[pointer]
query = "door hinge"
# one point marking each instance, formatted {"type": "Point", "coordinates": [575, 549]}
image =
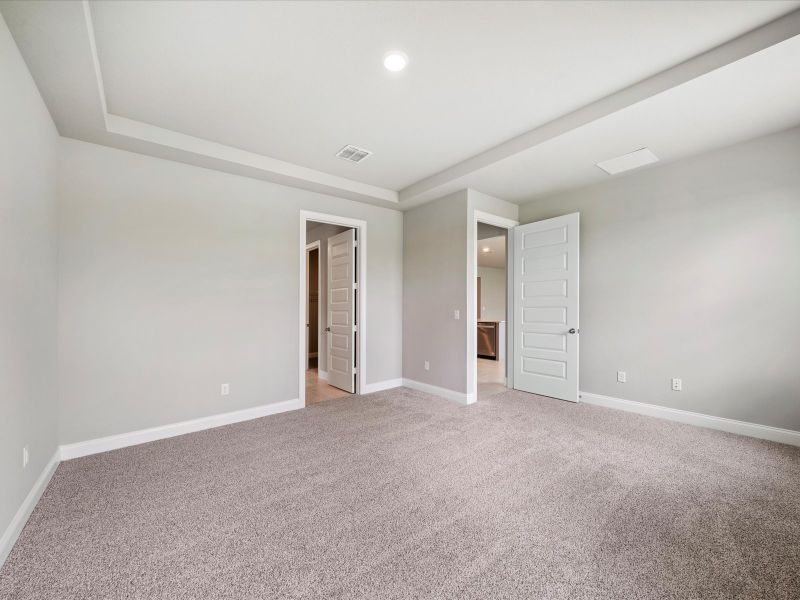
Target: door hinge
{"type": "Point", "coordinates": [355, 370]}
{"type": "Point", "coordinates": [355, 286]}
{"type": "Point", "coordinates": [355, 244]}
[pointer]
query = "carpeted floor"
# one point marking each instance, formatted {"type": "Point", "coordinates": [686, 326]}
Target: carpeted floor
{"type": "Point", "coordinates": [403, 495]}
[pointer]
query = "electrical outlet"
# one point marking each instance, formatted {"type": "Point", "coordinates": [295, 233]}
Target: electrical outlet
{"type": "Point", "coordinates": [622, 377]}
{"type": "Point", "coordinates": [427, 365]}
{"type": "Point", "coordinates": [456, 314]}
{"type": "Point", "coordinates": [226, 389]}
{"type": "Point", "coordinates": [25, 456]}
{"type": "Point", "coordinates": [677, 385]}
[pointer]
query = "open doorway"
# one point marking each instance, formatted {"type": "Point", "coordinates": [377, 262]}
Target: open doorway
{"type": "Point", "coordinates": [321, 314]}
{"type": "Point", "coordinates": [491, 302]}
{"type": "Point", "coordinates": [313, 306]}
{"type": "Point", "coordinates": [333, 303]}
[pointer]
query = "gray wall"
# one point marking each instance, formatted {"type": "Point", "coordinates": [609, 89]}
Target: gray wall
{"type": "Point", "coordinates": [176, 279]}
{"type": "Point", "coordinates": [493, 293]}
{"type": "Point", "coordinates": [434, 285]}
{"type": "Point", "coordinates": [439, 277]}
{"type": "Point", "coordinates": [320, 233]}
{"type": "Point", "coordinates": [28, 281]}
{"type": "Point", "coordinates": [692, 270]}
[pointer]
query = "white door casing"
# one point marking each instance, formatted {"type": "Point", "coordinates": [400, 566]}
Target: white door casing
{"type": "Point", "coordinates": [341, 332]}
{"type": "Point", "coordinates": [546, 327]}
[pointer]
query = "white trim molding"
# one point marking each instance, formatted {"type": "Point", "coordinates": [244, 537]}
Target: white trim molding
{"type": "Point", "coordinates": [764, 432]}
{"type": "Point", "coordinates": [448, 394]}
{"type": "Point", "coordinates": [142, 436]}
{"type": "Point", "coordinates": [379, 386]}
{"type": "Point", "coordinates": [323, 375]}
{"type": "Point", "coordinates": [492, 219]}
{"type": "Point", "coordinates": [11, 534]}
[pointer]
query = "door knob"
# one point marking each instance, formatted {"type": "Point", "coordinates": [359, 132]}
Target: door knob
{"type": "Point", "coordinates": [327, 329]}
{"type": "Point", "coordinates": [573, 330]}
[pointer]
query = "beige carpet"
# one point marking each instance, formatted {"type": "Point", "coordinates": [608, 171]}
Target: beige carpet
{"type": "Point", "coordinates": [403, 495]}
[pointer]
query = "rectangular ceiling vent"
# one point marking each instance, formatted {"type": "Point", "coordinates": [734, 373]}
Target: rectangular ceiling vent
{"type": "Point", "coordinates": [353, 153]}
{"type": "Point", "coordinates": [627, 162]}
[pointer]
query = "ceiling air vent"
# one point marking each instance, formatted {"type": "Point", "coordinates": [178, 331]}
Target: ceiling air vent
{"type": "Point", "coordinates": [353, 154]}
{"type": "Point", "coordinates": [626, 162]}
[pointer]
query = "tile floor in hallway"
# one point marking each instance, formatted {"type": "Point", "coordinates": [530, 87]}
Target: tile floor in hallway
{"type": "Point", "coordinates": [317, 390]}
{"type": "Point", "coordinates": [491, 377]}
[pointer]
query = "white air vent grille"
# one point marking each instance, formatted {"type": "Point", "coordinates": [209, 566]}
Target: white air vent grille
{"type": "Point", "coordinates": [626, 162]}
{"type": "Point", "coordinates": [353, 153]}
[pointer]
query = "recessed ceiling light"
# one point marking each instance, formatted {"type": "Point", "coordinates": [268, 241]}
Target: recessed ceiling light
{"type": "Point", "coordinates": [626, 162]}
{"type": "Point", "coordinates": [486, 249]}
{"type": "Point", "coordinates": [395, 61]}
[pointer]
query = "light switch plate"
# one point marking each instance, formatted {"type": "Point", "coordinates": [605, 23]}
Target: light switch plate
{"type": "Point", "coordinates": [456, 314]}
{"type": "Point", "coordinates": [225, 389]}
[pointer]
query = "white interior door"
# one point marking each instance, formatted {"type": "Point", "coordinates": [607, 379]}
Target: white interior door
{"type": "Point", "coordinates": [546, 264]}
{"type": "Point", "coordinates": [341, 310]}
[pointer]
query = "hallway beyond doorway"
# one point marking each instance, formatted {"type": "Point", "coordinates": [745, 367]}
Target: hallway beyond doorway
{"type": "Point", "coordinates": [491, 377]}
{"type": "Point", "coordinates": [317, 390]}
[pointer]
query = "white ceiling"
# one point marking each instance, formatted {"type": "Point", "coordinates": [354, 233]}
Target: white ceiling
{"type": "Point", "coordinates": [487, 231]}
{"type": "Point", "coordinates": [757, 95]}
{"type": "Point", "coordinates": [496, 257]}
{"type": "Point", "coordinates": [274, 89]}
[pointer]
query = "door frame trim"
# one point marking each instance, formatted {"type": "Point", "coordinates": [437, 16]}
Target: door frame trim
{"type": "Point", "coordinates": [479, 216]}
{"type": "Point", "coordinates": [309, 248]}
{"type": "Point", "coordinates": [361, 335]}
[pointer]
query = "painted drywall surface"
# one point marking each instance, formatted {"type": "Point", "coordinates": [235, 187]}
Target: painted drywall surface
{"type": "Point", "coordinates": [493, 293]}
{"type": "Point", "coordinates": [438, 278]}
{"type": "Point", "coordinates": [28, 280]}
{"type": "Point", "coordinates": [320, 234]}
{"type": "Point", "coordinates": [490, 204]}
{"type": "Point", "coordinates": [692, 270]}
{"type": "Point", "coordinates": [176, 279]}
{"type": "Point", "coordinates": [434, 285]}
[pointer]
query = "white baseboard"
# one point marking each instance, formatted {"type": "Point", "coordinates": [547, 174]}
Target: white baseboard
{"type": "Point", "coordinates": [70, 451]}
{"type": "Point", "coordinates": [21, 517]}
{"type": "Point", "coordinates": [383, 385]}
{"type": "Point", "coordinates": [460, 397]}
{"type": "Point", "coordinates": [322, 375]}
{"type": "Point", "coordinates": [764, 432]}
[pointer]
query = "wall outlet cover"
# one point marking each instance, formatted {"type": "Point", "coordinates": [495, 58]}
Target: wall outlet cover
{"type": "Point", "coordinates": [677, 385]}
{"type": "Point", "coordinates": [225, 389]}
{"type": "Point", "coordinates": [427, 366]}
{"type": "Point", "coordinates": [622, 377]}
